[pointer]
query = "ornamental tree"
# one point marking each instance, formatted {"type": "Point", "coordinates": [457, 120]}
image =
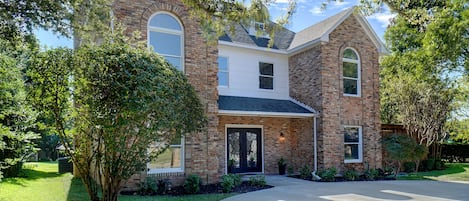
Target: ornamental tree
{"type": "Point", "coordinates": [124, 99]}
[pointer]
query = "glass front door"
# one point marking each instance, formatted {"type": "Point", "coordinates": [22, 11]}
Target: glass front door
{"type": "Point", "coordinates": [244, 150]}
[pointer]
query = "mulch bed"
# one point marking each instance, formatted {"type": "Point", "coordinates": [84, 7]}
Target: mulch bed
{"type": "Point", "coordinates": [342, 179]}
{"type": "Point", "coordinates": [208, 189]}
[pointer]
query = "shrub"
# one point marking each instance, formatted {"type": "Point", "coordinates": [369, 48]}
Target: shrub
{"type": "Point", "coordinates": [429, 164]}
{"type": "Point", "coordinates": [258, 180]}
{"type": "Point", "coordinates": [328, 174]}
{"type": "Point", "coordinates": [305, 172]}
{"type": "Point", "coordinates": [164, 185]}
{"type": "Point", "coordinates": [290, 170]}
{"type": "Point", "coordinates": [148, 187]}
{"type": "Point", "coordinates": [192, 184]}
{"type": "Point", "coordinates": [371, 174]}
{"type": "Point", "coordinates": [410, 166]}
{"type": "Point", "coordinates": [229, 182]}
{"type": "Point", "coordinates": [350, 175]}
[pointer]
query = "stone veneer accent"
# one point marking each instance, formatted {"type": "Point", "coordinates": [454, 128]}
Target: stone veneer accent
{"type": "Point", "coordinates": [296, 148]}
{"type": "Point", "coordinates": [201, 70]}
{"type": "Point", "coordinates": [316, 80]}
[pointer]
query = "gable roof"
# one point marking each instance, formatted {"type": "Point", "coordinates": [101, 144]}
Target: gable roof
{"type": "Point", "coordinates": [247, 106]}
{"type": "Point", "coordinates": [291, 42]}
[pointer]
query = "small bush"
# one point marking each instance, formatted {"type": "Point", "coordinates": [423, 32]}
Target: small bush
{"type": "Point", "coordinates": [164, 185]}
{"type": "Point", "coordinates": [290, 170]}
{"type": "Point", "coordinates": [148, 187]}
{"type": "Point", "coordinates": [305, 172]}
{"type": "Point", "coordinates": [350, 175]}
{"type": "Point", "coordinates": [192, 184]}
{"type": "Point", "coordinates": [328, 174]}
{"type": "Point", "coordinates": [371, 174]}
{"type": "Point", "coordinates": [258, 180]}
{"type": "Point", "coordinates": [229, 182]}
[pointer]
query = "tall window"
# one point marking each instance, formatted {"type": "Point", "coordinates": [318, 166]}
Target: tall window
{"type": "Point", "coordinates": [353, 144]}
{"type": "Point", "coordinates": [223, 72]}
{"type": "Point", "coordinates": [351, 72]}
{"type": "Point", "coordinates": [165, 35]}
{"type": "Point", "coordinates": [266, 76]}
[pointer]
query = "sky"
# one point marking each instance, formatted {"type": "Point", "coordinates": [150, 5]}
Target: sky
{"type": "Point", "coordinates": [308, 12]}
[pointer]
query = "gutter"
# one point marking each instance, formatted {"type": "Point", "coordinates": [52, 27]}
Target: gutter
{"type": "Point", "coordinates": [313, 174]}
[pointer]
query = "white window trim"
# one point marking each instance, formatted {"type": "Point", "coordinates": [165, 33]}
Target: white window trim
{"type": "Point", "coordinates": [358, 79]}
{"type": "Point", "coordinates": [272, 76]}
{"type": "Point", "coordinates": [171, 170]}
{"type": "Point", "coordinates": [243, 126]}
{"type": "Point", "coordinates": [360, 145]}
{"type": "Point", "coordinates": [227, 71]}
{"type": "Point", "coordinates": [168, 31]}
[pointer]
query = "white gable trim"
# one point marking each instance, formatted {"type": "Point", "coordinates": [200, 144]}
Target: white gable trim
{"type": "Point", "coordinates": [252, 47]}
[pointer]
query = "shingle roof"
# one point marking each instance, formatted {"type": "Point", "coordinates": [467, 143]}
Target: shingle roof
{"type": "Point", "coordinates": [240, 34]}
{"type": "Point", "coordinates": [235, 103]}
{"type": "Point", "coordinates": [318, 30]}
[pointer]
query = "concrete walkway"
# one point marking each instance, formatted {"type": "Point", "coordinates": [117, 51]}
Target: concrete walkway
{"type": "Point", "coordinates": [289, 189]}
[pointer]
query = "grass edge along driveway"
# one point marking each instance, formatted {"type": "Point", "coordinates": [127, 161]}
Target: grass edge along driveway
{"type": "Point", "coordinates": [41, 182]}
{"type": "Point", "coordinates": [455, 172]}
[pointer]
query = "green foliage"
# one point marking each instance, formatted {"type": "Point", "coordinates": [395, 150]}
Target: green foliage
{"type": "Point", "coordinates": [116, 88]}
{"type": "Point", "coordinates": [148, 186]}
{"type": "Point", "coordinates": [305, 172]}
{"type": "Point", "coordinates": [328, 174]}
{"type": "Point", "coordinates": [192, 184]}
{"type": "Point", "coordinates": [410, 166]}
{"type": "Point", "coordinates": [455, 152]}
{"type": "Point", "coordinates": [401, 148]}
{"type": "Point", "coordinates": [351, 175]}
{"type": "Point", "coordinates": [281, 162]}
{"type": "Point", "coordinates": [258, 180]}
{"type": "Point", "coordinates": [290, 170]}
{"type": "Point", "coordinates": [371, 174]}
{"type": "Point", "coordinates": [230, 181]}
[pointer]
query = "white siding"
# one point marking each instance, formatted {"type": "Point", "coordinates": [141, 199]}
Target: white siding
{"type": "Point", "coordinates": [243, 65]}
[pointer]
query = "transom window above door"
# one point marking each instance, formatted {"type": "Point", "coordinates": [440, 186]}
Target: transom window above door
{"type": "Point", "coordinates": [165, 35]}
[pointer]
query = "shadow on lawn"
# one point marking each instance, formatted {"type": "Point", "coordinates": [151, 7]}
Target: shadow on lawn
{"type": "Point", "coordinates": [77, 191]}
{"type": "Point", "coordinates": [29, 175]}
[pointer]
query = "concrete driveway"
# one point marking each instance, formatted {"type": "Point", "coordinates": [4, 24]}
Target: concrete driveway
{"type": "Point", "coordinates": [289, 189]}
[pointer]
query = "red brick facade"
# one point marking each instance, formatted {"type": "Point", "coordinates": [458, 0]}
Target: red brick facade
{"type": "Point", "coordinates": [314, 79]}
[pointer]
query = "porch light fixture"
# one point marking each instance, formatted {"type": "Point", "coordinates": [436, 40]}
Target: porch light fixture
{"type": "Point", "coordinates": [282, 136]}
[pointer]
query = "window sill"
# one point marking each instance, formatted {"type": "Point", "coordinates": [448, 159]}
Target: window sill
{"type": "Point", "coordinates": [165, 170]}
{"type": "Point", "coordinates": [353, 161]}
{"type": "Point", "coordinates": [353, 95]}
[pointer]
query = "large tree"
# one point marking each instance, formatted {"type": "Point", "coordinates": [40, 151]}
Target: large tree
{"type": "Point", "coordinates": [125, 98]}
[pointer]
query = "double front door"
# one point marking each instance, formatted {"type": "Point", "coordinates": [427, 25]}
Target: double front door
{"type": "Point", "coordinates": [244, 150]}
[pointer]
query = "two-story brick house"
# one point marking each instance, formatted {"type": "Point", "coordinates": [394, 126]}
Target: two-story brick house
{"type": "Point", "coordinates": [311, 99]}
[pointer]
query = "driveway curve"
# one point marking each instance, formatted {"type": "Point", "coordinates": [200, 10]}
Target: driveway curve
{"type": "Point", "coordinates": [290, 189]}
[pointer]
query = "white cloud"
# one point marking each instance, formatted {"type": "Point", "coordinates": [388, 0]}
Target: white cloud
{"type": "Point", "coordinates": [383, 18]}
{"type": "Point", "coordinates": [317, 11]}
{"type": "Point", "coordinates": [340, 4]}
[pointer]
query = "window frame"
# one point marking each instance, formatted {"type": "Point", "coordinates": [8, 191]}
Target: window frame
{"type": "Point", "coordinates": [358, 79]}
{"type": "Point", "coordinates": [227, 71]}
{"type": "Point", "coordinates": [170, 170]}
{"type": "Point", "coordinates": [360, 144]}
{"type": "Point", "coordinates": [168, 31]}
{"type": "Point", "coordinates": [261, 75]}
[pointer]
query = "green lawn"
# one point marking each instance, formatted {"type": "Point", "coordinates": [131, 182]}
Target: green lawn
{"type": "Point", "coordinates": [453, 172]}
{"type": "Point", "coordinates": [43, 183]}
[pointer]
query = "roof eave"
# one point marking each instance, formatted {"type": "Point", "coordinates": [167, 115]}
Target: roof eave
{"type": "Point", "coordinates": [265, 114]}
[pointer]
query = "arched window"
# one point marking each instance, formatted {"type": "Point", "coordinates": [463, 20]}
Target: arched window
{"type": "Point", "coordinates": [351, 72]}
{"type": "Point", "coordinates": [165, 35]}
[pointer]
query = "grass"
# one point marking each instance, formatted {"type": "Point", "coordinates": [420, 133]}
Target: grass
{"type": "Point", "coordinates": [41, 182]}
{"type": "Point", "coordinates": [453, 172]}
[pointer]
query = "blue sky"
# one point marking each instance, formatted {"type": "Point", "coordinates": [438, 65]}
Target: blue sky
{"type": "Point", "coordinates": [308, 12]}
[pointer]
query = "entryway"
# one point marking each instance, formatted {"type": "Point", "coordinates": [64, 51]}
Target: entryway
{"type": "Point", "coordinates": [244, 150]}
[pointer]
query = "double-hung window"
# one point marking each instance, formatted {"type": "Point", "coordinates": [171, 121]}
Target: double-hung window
{"type": "Point", "coordinates": [351, 72]}
{"type": "Point", "coordinates": [165, 35]}
{"type": "Point", "coordinates": [266, 76]}
{"type": "Point", "coordinates": [223, 72]}
{"type": "Point", "coordinates": [353, 144]}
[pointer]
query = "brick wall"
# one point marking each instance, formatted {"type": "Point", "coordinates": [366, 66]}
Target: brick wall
{"type": "Point", "coordinates": [296, 147]}
{"type": "Point", "coordinates": [200, 69]}
{"type": "Point", "coordinates": [316, 80]}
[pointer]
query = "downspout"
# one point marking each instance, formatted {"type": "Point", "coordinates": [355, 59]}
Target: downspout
{"type": "Point", "coordinates": [313, 174]}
